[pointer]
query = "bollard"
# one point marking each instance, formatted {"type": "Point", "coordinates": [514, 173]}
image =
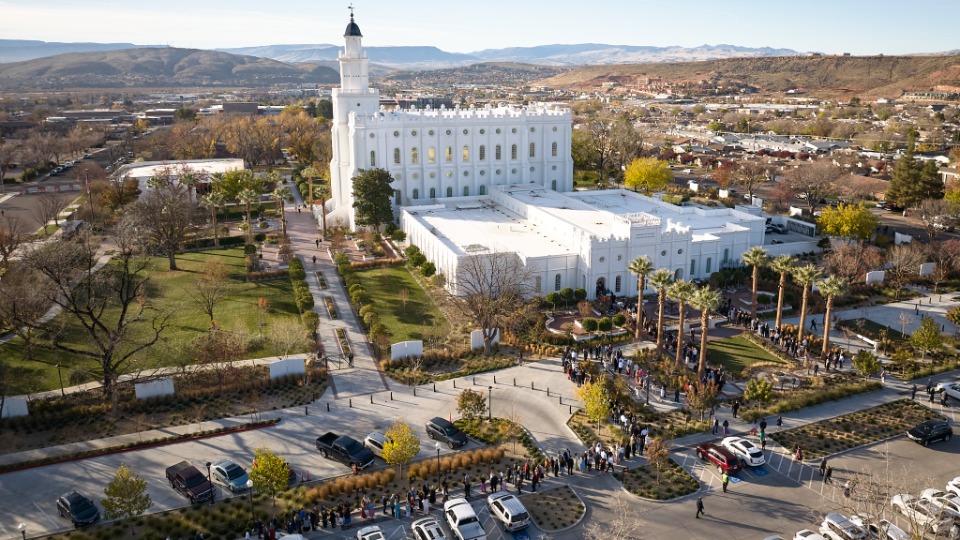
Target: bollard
{"type": "Point", "coordinates": [414, 391]}
{"type": "Point", "coordinates": [328, 406]}
{"type": "Point", "coordinates": [351, 402]}
{"type": "Point", "coordinates": [306, 410]}
{"type": "Point", "coordinates": [474, 381]}
{"type": "Point", "coordinates": [434, 387]}
{"type": "Point", "coordinates": [454, 383]}
{"type": "Point", "coordinates": [391, 396]}
{"type": "Point", "coordinates": [531, 386]}
{"type": "Point", "coordinates": [514, 381]}
{"type": "Point", "coordinates": [561, 400]}
{"type": "Point", "coordinates": [571, 408]}
{"type": "Point", "coordinates": [548, 391]}
{"type": "Point", "coordinates": [494, 379]}
{"type": "Point", "coordinates": [371, 399]}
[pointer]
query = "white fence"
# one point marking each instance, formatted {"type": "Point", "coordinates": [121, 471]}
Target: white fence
{"type": "Point", "coordinates": [15, 406]}
{"type": "Point", "coordinates": [476, 339]}
{"type": "Point", "coordinates": [152, 389]}
{"type": "Point", "coordinates": [405, 349]}
{"type": "Point", "coordinates": [290, 366]}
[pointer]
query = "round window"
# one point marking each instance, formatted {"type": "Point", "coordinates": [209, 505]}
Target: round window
{"type": "Point", "coordinates": [532, 130]}
{"type": "Point", "coordinates": [466, 173]}
{"type": "Point", "coordinates": [449, 132]}
{"type": "Point", "coordinates": [413, 133]}
{"type": "Point", "coordinates": [663, 253]}
{"type": "Point", "coordinates": [483, 173]}
{"type": "Point", "coordinates": [554, 167]}
{"type": "Point", "coordinates": [602, 259]}
{"type": "Point", "coordinates": [416, 175]}
{"type": "Point", "coordinates": [498, 131]}
{"type": "Point", "coordinates": [396, 133]}
{"type": "Point", "coordinates": [679, 252]}
{"type": "Point", "coordinates": [372, 135]}
{"type": "Point", "coordinates": [465, 132]}
{"type": "Point", "coordinates": [513, 171]}
{"type": "Point", "coordinates": [514, 130]}
{"type": "Point", "coordinates": [449, 174]}
{"type": "Point", "coordinates": [554, 128]}
{"type": "Point", "coordinates": [482, 131]}
{"type": "Point", "coordinates": [532, 169]}
{"type": "Point", "coordinates": [430, 132]}
{"type": "Point", "coordinates": [498, 172]}
{"type": "Point", "coordinates": [619, 257]}
{"type": "Point", "coordinates": [433, 175]}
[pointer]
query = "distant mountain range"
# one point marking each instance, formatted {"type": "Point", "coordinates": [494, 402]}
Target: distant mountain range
{"type": "Point", "coordinates": [429, 57]}
{"type": "Point", "coordinates": [155, 67]}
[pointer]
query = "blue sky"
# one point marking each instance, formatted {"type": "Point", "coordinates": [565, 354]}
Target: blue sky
{"type": "Point", "coordinates": [855, 26]}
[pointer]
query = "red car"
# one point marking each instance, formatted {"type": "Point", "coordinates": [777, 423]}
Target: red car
{"type": "Point", "coordinates": [719, 456]}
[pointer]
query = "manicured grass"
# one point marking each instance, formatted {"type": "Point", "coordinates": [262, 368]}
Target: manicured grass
{"type": "Point", "coordinates": [403, 321]}
{"type": "Point", "coordinates": [166, 290]}
{"type": "Point", "coordinates": [736, 353]}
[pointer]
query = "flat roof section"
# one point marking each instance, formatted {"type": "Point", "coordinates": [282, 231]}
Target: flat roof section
{"type": "Point", "coordinates": [472, 227]}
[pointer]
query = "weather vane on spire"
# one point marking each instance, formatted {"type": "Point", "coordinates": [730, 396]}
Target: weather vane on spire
{"type": "Point", "coordinates": [350, 7]}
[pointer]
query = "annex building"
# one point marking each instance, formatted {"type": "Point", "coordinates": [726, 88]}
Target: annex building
{"type": "Point", "coordinates": [474, 181]}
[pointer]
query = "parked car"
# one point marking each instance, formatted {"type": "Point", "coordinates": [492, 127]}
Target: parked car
{"type": "Point", "coordinates": [444, 431]}
{"type": "Point", "coordinates": [78, 508]}
{"type": "Point", "coordinates": [427, 529]}
{"type": "Point", "coordinates": [508, 510]}
{"type": "Point", "coordinates": [780, 228]}
{"type": "Point", "coordinates": [953, 486]}
{"type": "Point", "coordinates": [372, 532]}
{"type": "Point", "coordinates": [948, 503]}
{"type": "Point", "coordinates": [745, 450]}
{"type": "Point", "coordinates": [344, 449]}
{"type": "Point", "coordinates": [951, 388]}
{"type": "Point", "coordinates": [931, 431]}
{"type": "Point", "coordinates": [375, 442]}
{"type": "Point", "coordinates": [883, 205]}
{"type": "Point", "coordinates": [836, 526]}
{"type": "Point", "coordinates": [880, 529]}
{"type": "Point", "coordinates": [921, 512]}
{"type": "Point", "coordinates": [190, 482]}
{"type": "Point", "coordinates": [807, 534]}
{"type": "Point", "coordinates": [463, 521]}
{"type": "Point", "coordinates": [231, 475]}
{"type": "Point", "coordinates": [723, 459]}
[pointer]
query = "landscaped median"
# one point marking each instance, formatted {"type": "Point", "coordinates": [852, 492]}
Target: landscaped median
{"type": "Point", "coordinates": [554, 509]}
{"type": "Point", "coordinates": [136, 445]}
{"type": "Point", "coordinates": [855, 429]}
{"type": "Point", "coordinates": [645, 481]}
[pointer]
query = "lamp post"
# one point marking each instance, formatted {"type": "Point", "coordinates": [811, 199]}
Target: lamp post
{"type": "Point", "coordinates": [22, 527]}
{"type": "Point", "coordinates": [437, 444]}
{"type": "Point", "coordinates": [250, 496]}
{"type": "Point", "coordinates": [60, 375]}
{"type": "Point", "coordinates": [647, 385]}
{"type": "Point", "coordinates": [489, 404]}
{"type": "Point", "coordinates": [210, 479]}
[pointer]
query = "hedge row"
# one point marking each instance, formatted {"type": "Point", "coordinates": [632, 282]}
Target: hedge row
{"type": "Point", "coordinates": [301, 290]}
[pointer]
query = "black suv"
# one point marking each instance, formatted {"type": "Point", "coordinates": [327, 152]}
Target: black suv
{"type": "Point", "coordinates": [930, 431]}
{"type": "Point", "coordinates": [78, 508]}
{"type": "Point", "coordinates": [444, 431]}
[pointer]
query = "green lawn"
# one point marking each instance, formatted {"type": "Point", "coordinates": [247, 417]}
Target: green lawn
{"type": "Point", "coordinates": [418, 318]}
{"type": "Point", "coordinates": [736, 353]}
{"type": "Point", "coordinates": [871, 329]}
{"type": "Point", "coordinates": [168, 291]}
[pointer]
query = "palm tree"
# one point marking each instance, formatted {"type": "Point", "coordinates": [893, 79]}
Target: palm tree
{"type": "Point", "coordinates": [281, 195]}
{"type": "Point", "coordinates": [681, 291]}
{"type": "Point", "coordinates": [660, 280]}
{"type": "Point", "coordinates": [706, 299]}
{"type": "Point", "coordinates": [830, 288]}
{"type": "Point", "coordinates": [311, 173]}
{"type": "Point", "coordinates": [247, 197]}
{"type": "Point", "coordinates": [782, 265]}
{"type": "Point", "coordinates": [805, 276]}
{"type": "Point", "coordinates": [214, 202]}
{"type": "Point", "coordinates": [641, 266]}
{"type": "Point", "coordinates": [755, 257]}
{"type": "Point", "coordinates": [190, 179]}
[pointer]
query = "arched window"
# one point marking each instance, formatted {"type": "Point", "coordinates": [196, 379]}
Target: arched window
{"type": "Point", "coordinates": [433, 193]}
{"type": "Point", "coordinates": [483, 190]}
{"type": "Point", "coordinates": [414, 155]}
{"type": "Point", "coordinates": [538, 285]}
{"type": "Point", "coordinates": [396, 156]}
{"type": "Point", "coordinates": [373, 158]}
{"type": "Point", "coordinates": [466, 191]}
{"type": "Point", "coordinates": [513, 151]}
{"type": "Point", "coordinates": [497, 152]}
{"type": "Point", "coordinates": [553, 185]}
{"type": "Point", "coordinates": [616, 284]}
{"type": "Point", "coordinates": [553, 149]}
{"type": "Point", "coordinates": [726, 256]}
{"type": "Point", "coordinates": [533, 150]}
{"type": "Point", "coordinates": [693, 267]}
{"type": "Point", "coordinates": [466, 153]}
{"type": "Point", "coordinates": [449, 155]}
{"type": "Point", "coordinates": [432, 155]}
{"type": "Point", "coordinates": [449, 192]}
{"type": "Point", "coordinates": [556, 282]}
{"type": "Point", "coordinates": [483, 152]}
{"type": "Point", "coordinates": [709, 264]}
{"type": "Point", "coordinates": [416, 194]}
{"type": "Point", "coordinates": [396, 197]}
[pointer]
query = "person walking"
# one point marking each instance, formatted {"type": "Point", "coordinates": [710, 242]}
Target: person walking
{"type": "Point", "coordinates": [798, 454]}
{"type": "Point", "coordinates": [700, 509]}
{"type": "Point", "coordinates": [763, 441]}
{"type": "Point", "coordinates": [725, 479]}
{"type": "Point", "coordinates": [779, 422]}
{"type": "Point", "coordinates": [813, 325]}
{"type": "Point", "coordinates": [827, 476]}
{"type": "Point", "coordinates": [716, 425]}
{"type": "Point", "coordinates": [913, 392]}
{"type": "Point", "coordinates": [823, 466]}
{"type": "Point", "coordinates": [726, 427]}
{"type": "Point", "coordinates": [736, 407]}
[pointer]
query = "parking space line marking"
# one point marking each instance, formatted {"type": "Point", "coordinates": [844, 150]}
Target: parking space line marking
{"type": "Point", "coordinates": [402, 529]}
{"type": "Point", "coordinates": [54, 523]}
{"type": "Point", "coordinates": [780, 463]}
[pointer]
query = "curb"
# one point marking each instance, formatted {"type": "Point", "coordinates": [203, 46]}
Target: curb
{"type": "Point", "coordinates": [66, 458]}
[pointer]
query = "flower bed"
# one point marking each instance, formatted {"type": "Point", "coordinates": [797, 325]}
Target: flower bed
{"type": "Point", "coordinates": [331, 307]}
{"type": "Point", "coordinates": [322, 281]}
{"type": "Point", "coordinates": [795, 400]}
{"type": "Point", "coordinates": [344, 342]}
{"type": "Point", "coordinates": [674, 481]}
{"type": "Point", "coordinates": [855, 429]}
{"type": "Point", "coordinates": [554, 509]}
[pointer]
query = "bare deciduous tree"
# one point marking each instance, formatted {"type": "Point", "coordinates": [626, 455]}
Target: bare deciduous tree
{"type": "Point", "coordinates": [813, 181]}
{"type": "Point", "coordinates": [903, 263]}
{"type": "Point", "coordinates": [210, 287]}
{"type": "Point", "coordinates": [12, 236]}
{"type": "Point", "coordinates": [164, 216]}
{"type": "Point", "coordinates": [49, 206]}
{"type": "Point", "coordinates": [623, 523]}
{"type": "Point", "coordinates": [937, 215]}
{"type": "Point", "coordinates": [217, 349]}
{"type": "Point", "coordinates": [750, 175]}
{"type": "Point", "coordinates": [288, 335]}
{"type": "Point", "coordinates": [851, 259]}
{"type": "Point", "coordinates": [489, 288]}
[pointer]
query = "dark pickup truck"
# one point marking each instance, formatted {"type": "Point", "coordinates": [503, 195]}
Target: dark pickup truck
{"type": "Point", "coordinates": [190, 482]}
{"type": "Point", "coordinates": [345, 450]}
